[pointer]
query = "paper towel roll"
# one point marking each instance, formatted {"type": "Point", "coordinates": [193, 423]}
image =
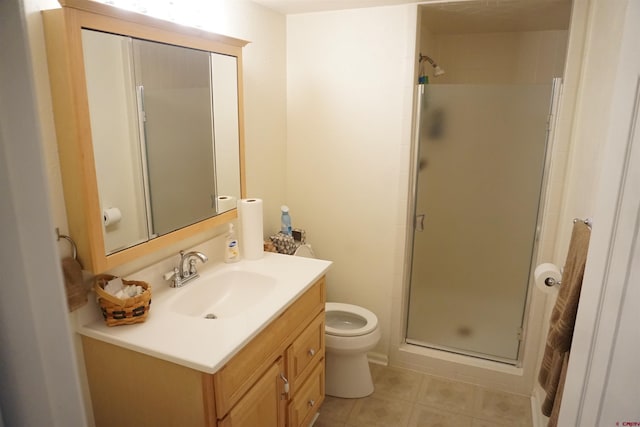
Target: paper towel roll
{"type": "Point", "coordinates": [226, 203]}
{"type": "Point", "coordinates": [250, 217]}
{"type": "Point", "coordinates": [546, 276]}
{"type": "Point", "coordinates": [111, 216]}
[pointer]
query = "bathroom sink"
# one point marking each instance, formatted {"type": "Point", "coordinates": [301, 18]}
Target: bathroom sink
{"type": "Point", "coordinates": [223, 295]}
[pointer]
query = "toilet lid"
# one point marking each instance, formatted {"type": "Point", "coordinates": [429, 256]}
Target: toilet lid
{"type": "Point", "coordinates": [348, 320]}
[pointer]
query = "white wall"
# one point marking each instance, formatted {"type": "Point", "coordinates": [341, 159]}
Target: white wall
{"type": "Point", "coordinates": [349, 104]}
{"type": "Point", "coordinates": [587, 131]}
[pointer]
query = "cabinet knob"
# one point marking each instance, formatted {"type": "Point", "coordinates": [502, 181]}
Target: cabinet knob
{"type": "Point", "coordinates": [312, 352]}
{"type": "Point", "coordinates": [311, 403]}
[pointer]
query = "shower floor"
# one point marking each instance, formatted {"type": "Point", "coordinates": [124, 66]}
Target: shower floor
{"type": "Point", "coordinates": [477, 324]}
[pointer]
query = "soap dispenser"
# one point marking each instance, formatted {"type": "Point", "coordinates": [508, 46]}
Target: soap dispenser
{"type": "Point", "coordinates": [231, 249]}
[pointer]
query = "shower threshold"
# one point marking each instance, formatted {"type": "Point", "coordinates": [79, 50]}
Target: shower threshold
{"type": "Point", "coordinates": [467, 353]}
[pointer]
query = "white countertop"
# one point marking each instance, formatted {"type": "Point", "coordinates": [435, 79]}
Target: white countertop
{"type": "Point", "coordinates": [207, 344]}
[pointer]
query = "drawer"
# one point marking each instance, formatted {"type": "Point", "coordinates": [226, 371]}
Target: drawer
{"type": "Point", "coordinates": [305, 352]}
{"type": "Point", "coordinates": [234, 379]}
{"type": "Point", "coordinates": [308, 399]}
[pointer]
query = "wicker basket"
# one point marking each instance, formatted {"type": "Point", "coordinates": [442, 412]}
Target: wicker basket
{"type": "Point", "coordinates": [122, 312]}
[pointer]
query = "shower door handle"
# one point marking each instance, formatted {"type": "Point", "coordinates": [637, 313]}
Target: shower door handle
{"type": "Point", "coordinates": [419, 226]}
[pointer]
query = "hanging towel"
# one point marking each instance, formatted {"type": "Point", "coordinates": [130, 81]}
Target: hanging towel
{"type": "Point", "coordinates": [73, 283]}
{"type": "Point", "coordinates": [563, 318]}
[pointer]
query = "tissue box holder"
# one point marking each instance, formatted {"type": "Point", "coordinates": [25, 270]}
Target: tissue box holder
{"type": "Point", "coordinates": [284, 243]}
{"type": "Point", "coordinates": [118, 311]}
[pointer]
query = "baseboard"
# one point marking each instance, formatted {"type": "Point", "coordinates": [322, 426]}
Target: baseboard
{"type": "Point", "coordinates": [378, 358]}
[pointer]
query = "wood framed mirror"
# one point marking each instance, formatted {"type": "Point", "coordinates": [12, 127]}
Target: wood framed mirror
{"type": "Point", "coordinates": [149, 124]}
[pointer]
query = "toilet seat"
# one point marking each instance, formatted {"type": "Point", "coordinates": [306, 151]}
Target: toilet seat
{"type": "Point", "coordinates": [348, 320]}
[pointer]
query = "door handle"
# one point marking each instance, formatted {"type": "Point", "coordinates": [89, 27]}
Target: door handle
{"type": "Point", "coordinates": [285, 393]}
{"type": "Point", "coordinates": [419, 225]}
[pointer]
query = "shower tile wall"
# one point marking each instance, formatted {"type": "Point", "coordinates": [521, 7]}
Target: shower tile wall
{"type": "Point", "coordinates": [506, 57]}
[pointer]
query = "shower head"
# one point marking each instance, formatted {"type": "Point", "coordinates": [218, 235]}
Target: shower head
{"type": "Point", "coordinates": [437, 71]}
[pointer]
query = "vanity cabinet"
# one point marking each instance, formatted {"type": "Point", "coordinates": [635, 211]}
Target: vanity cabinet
{"type": "Point", "coordinates": [275, 380]}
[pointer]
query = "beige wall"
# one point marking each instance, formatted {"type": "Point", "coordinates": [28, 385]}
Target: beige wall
{"type": "Point", "coordinates": [349, 132]}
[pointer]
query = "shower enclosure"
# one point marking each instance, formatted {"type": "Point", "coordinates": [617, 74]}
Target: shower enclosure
{"type": "Point", "coordinates": [480, 165]}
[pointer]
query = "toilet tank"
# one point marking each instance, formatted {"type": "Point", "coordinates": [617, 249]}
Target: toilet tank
{"type": "Point", "coordinates": [305, 251]}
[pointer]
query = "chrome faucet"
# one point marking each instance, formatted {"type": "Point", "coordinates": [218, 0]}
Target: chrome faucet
{"type": "Point", "coordinates": [181, 275]}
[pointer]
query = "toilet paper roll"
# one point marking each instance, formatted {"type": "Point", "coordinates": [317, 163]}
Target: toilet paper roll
{"type": "Point", "coordinates": [547, 276]}
{"type": "Point", "coordinates": [226, 203]}
{"type": "Point", "coordinates": [252, 235]}
{"type": "Point", "coordinates": [111, 216]}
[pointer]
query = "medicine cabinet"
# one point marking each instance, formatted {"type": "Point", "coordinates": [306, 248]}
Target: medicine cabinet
{"type": "Point", "coordinates": [149, 124]}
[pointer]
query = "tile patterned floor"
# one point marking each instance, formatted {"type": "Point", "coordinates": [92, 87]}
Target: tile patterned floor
{"type": "Point", "coordinates": [404, 398]}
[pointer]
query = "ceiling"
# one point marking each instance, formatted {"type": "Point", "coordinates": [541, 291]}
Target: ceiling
{"type": "Point", "coordinates": [289, 7]}
{"type": "Point", "coordinates": [468, 16]}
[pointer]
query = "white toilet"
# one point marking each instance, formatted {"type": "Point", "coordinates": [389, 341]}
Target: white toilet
{"type": "Point", "coordinates": [350, 332]}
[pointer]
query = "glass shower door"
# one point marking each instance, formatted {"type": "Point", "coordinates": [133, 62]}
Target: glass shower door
{"type": "Point", "coordinates": [480, 170]}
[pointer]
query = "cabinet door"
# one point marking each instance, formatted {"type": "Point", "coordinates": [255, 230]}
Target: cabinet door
{"type": "Point", "coordinates": [264, 404]}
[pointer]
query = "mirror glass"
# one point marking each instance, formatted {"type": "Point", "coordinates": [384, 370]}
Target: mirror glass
{"type": "Point", "coordinates": [164, 125]}
{"type": "Point", "coordinates": [174, 88]}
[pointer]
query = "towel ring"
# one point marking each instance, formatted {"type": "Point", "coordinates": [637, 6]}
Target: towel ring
{"type": "Point", "coordinates": [74, 249]}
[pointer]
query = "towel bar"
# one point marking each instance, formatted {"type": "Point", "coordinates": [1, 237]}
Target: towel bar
{"type": "Point", "coordinates": [550, 281]}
